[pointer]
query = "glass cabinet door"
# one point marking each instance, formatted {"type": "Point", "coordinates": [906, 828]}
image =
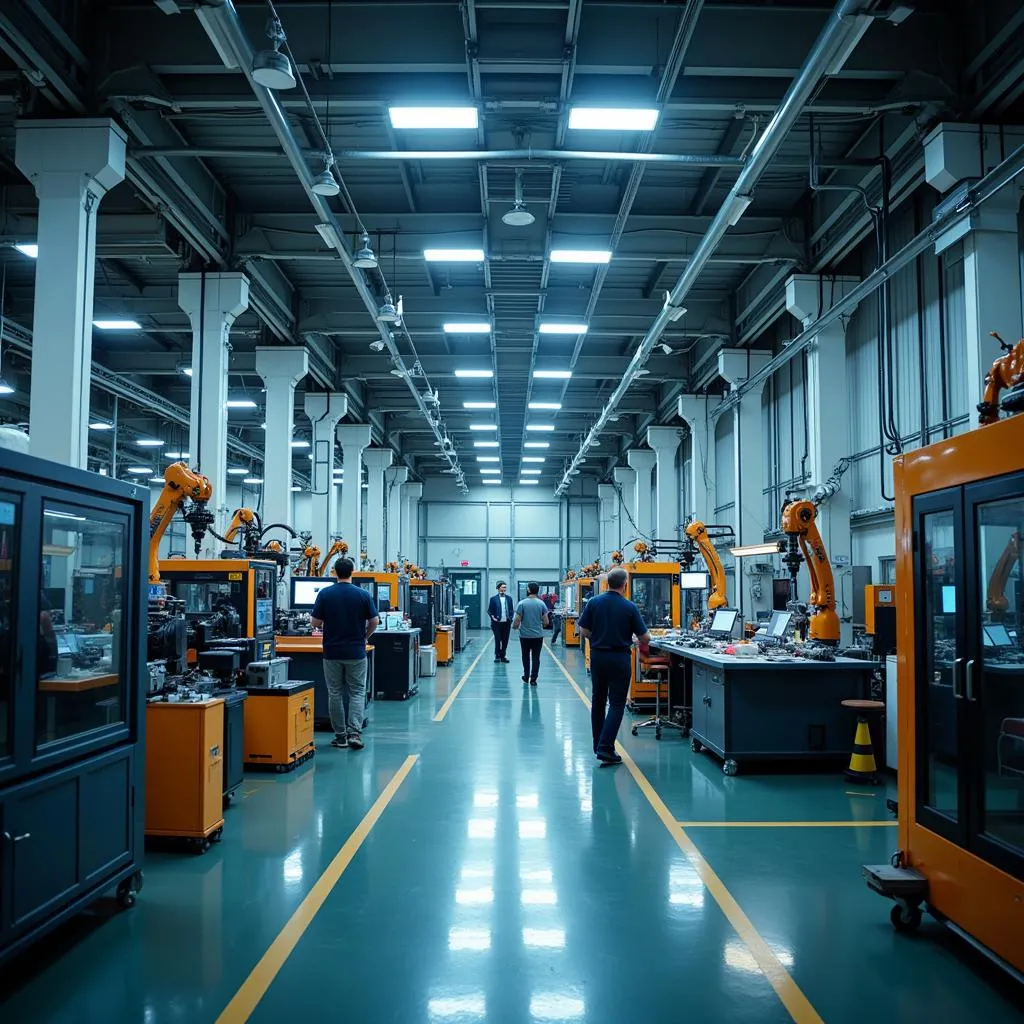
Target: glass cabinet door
{"type": "Point", "coordinates": [10, 523]}
{"type": "Point", "coordinates": [939, 603]}
{"type": "Point", "coordinates": [653, 597]}
{"type": "Point", "coordinates": [994, 672]}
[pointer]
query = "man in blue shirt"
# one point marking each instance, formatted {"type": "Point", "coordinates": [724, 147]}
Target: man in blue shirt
{"type": "Point", "coordinates": [610, 621]}
{"type": "Point", "coordinates": [348, 617]}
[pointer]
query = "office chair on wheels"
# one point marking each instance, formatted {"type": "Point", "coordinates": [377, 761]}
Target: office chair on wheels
{"type": "Point", "coordinates": [654, 669]}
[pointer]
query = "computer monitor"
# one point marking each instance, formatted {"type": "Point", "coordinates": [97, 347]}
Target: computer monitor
{"type": "Point", "coordinates": [778, 624]}
{"type": "Point", "coordinates": [723, 622]}
{"type": "Point", "coordinates": [384, 597]}
{"type": "Point", "coordinates": [305, 590]}
{"type": "Point", "coordinates": [996, 635]}
{"type": "Point", "coordinates": [693, 581]}
{"type": "Point", "coordinates": [780, 594]}
{"type": "Point", "coordinates": [949, 600]}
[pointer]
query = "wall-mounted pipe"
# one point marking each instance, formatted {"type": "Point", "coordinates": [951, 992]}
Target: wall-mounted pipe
{"type": "Point", "coordinates": [837, 40]}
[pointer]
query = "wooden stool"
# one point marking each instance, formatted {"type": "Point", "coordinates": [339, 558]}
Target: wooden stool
{"type": "Point", "coordinates": [862, 766]}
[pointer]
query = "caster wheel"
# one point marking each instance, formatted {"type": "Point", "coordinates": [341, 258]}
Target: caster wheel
{"type": "Point", "coordinates": [633, 730]}
{"type": "Point", "coordinates": [216, 837]}
{"type": "Point", "coordinates": [226, 802]}
{"type": "Point", "coordinates": [279, 768]}
{"type": "Point", "coordinates": [905, 920]}
{"type": "Point", "coordinates": [730, 767]}
{"type": "Point", "coordinates": [125, 899]}
{"type": "Point", "coordinates": [695, 745]}
{"type": "Point", "coordinates": [657, 734]}
{"type": "Point", "coordinates": [128, 891]}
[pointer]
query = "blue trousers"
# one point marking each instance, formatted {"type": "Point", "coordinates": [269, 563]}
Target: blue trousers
{"type": "Point", "coordinates": [609, 679]}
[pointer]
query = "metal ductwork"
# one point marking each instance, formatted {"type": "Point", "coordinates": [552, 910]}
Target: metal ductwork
{"type": "Point", "coordinates": [846, 25]}
{"type": "Point", "coordinates": [220, 20]}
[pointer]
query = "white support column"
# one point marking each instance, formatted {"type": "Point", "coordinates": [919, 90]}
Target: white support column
{"type": "Point", "coordinates": [609, 525]}
{"type": "Point", "coordinates": [700, 482]}
{"type": "Point", "coordinates": [376, 460]}
{"type": "Point", "coordinates": [411, 494]}
{"type": "Point", "coordinates": [281, 369]}
{"type": "Point", "coordinates": [72, 164]}
{"type": "Point", "coordinates": [212, 302]}
{"type": "Point", "coordinates": [353, 437]}
{"type": "Point", "coordinates": [642, 463]}
{"type": "Point", "coordinates": [625, 480]}
{"type": "Point", "coordinates": [665, 442]}
{"type": "Point", "coordinates": [324, 411]}
{"type": "Point", "coordinates": [393, 480]}
{"type": "Point", "coordinates": [828, 411]}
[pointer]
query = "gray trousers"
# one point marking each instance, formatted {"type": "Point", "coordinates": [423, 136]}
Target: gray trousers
{"type": "Point", "coordinates": [346, 688]}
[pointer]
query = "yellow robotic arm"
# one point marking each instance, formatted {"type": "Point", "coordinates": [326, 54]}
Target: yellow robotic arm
{"type": "Point", "coordinates": [697, 532]}
{"type": "Point", "coordinates": [1006, 372]}
{"type": "Point", "coordinates": [309, 562]}
{"type": "Point", "coordinates": [995, 598]}
{"type": "Point", "coordinates": [798, 523]}
{"type": "Point", "coordinates": [339, 549]}
{"type": "Point", "coordinates": [180, 485]}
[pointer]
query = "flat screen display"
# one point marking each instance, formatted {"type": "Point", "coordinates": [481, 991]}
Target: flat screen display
{"type": "Point", "coordinates": [778, 624]}
{"type": "Point", "coordinates": [384, 597]}
{"type": "Point", "coordinates": [693, 580]}
{"type": "Point", "coordinates": [949, 600]}
{"type": "Point", "coordinates": [996, 635]}
{"type": "Point", "coordinates": [304, 591]}
{"type": "Point", "coordinates": [724, 620]}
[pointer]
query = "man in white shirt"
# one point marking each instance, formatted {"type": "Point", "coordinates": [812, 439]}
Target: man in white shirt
{"type": "Point", "coordinates": [500, 611]}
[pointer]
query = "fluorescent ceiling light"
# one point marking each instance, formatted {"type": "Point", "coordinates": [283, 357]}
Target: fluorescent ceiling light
{"type": "Point", "coordinates": [453, 255]}
{"type": "Point", "coordinates": [529, 483]}
{"type": "Point", "coordinates": [478, 374]}
{"type": "Point", "coordinates": [478, 405]}
{"type": "Point", "coordinates": [29, 249]}
{"type": "Point", "coordinates": [537, 444]}
{"type": "Point", "coordinates": [488, 470]}
{"type": "Point", "coordinates": [490, 481]}
{"type": "Point", "coordinates": [100, 425]}
{"type": "Point", "coordinates": [471, 328]}
{"type": "Point", "coordinates": [234, 471]}
{"type": "Point", "coordinates": [488, 458]}
{"type": "Point", "coordinates": [482, 426]}
{"type": "Point", "coordinates": [300, 444]}
{"type": "Point", "coordinates": [545, 405]}
{"type": "Point", "coordinates": [253, 480]}
{"type": "Point", "coordinates": [530, 472]}
{"type": "Point", "coordinates": [187, 370]}
{"type": "Point", "coordinates": [150, 442]}
{"type": "Point", "coordinates": [613, 119]}
{"type": "Point", "coordinates": [139, 470]}
{"type": "Point", "coordinates": [485, 444]}
{"type": "Point", "coordinates": [117, 325]}
{"type": "Point", "coordinates": [580, 256]}
{"type": "Point", "coordinates": [533, 458]}
{"type": "Point", "coordinates": [773, 548]}
{"type": "Point", "coordinates": [240, 403]}
{"type": "Point", "coordinates": [555, 328]}
{"type": "Point", "coordinates": [156, 479]}
{"type": "Point", "coordinates": [176, 455]}
{"type": "Point", "coordinates": [295, 489]}
{"type": "Point", "coordinates": [552, 374]}
{"type": "Point", "coordinates": [540, 426]}
{"type": "Point", "coordinates": [433, 117]}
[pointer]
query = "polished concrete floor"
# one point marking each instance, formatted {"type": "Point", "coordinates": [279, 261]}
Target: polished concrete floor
{"type": "Point", "coordinates": [503, 877]}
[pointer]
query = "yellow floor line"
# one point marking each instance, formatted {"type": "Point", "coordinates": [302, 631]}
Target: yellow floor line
{"type": "Point", "coordinates": [247, 998]}
{"type": "Point", "coordinates": [798, 1005]}
{"type": "Point", "coordinates": [788, 824]}
{"type": "Point", "coordinates": [439, 717]}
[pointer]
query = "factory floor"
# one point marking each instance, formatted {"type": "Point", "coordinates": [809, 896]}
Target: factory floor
{"type": "Point", "coordinates": [474, 864]}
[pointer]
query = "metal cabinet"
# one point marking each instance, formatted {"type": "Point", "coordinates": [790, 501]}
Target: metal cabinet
{"type": "Point", "coordinates": [709, 696]}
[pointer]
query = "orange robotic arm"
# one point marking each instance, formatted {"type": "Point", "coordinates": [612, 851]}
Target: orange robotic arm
{"type": "Point", "coordinates": [180, 485]}
{"type": "Point", "coordinates": [309, 562]}
{"type": "Point", "coordinates": [339, 548]}
{"type": "Point", "coordinates": [1007, 372]}
{"type": "Point", "coordinates": [995, 598]}
{"type": "Point", "coordinates": [697, 532]}
{"type": "Point", "coordinates": [798, 520]}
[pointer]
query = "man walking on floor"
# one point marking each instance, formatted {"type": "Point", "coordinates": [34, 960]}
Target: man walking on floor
{"type": "Point", "coordinates": [500, 611]}
{"type": "Point", "coordinates": [610, 621]}
{"type": "Point", "coordinates": [531, 620]}
{"type": "Point", "coordinates": [348, 617]}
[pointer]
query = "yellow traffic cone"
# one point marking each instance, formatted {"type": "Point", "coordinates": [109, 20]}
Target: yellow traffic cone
{"type": "Point", "coordinates": [862, 761]}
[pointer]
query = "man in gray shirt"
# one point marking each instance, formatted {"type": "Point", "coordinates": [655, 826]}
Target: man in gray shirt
{"type": "Point", "coordinates": [531, 620]}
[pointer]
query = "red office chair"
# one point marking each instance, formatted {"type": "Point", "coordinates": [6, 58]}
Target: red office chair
{"type": "Point", "coordinates": [654, 669]}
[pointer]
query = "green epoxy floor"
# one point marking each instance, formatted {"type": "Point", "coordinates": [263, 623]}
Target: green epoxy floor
{"type": "Point", "coordinates": [511, 880]}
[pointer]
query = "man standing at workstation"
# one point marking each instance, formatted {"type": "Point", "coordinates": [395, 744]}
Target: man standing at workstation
{"type": "Point", "coordinates": [531, 620]}
{"type": "Point", "coordinates": [610, 621]}
{"type": "Point", "coordinates": [500, 611]}
{"type": "Point", "coordinates": [348, 617]}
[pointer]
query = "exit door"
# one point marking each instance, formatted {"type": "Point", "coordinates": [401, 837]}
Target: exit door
{"type": "Point", "coordinates": [469, 595]}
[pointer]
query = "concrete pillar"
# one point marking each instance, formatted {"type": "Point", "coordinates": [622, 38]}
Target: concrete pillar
{"type": "Point", "coordinates": [281, 369]}
{"type": "Point", "coordinates": [324, 411]}
{"type": "Point", "coordinates": [735, 366]}
{"type": "Point", "coordinates": [665, 442]}
{"type": "Point", "coordinates": [212, 302]}
{"type": "Point", "coordinates": [72, 164]}
{"type": "Point", "coordinates": [699, 486]}
{"type": "Point", "coordinates": [609, 524]}
{"type": "Point", "coordinates": [625, 481]}
{"type": "Point", "coordinates": [828, 410]}
{"type": "Point", "coordinates": [393, 480]}
{"type": "Point", "coordinates": [642, 463]}
{"type": "Point", "coordinates": [376, 460]}
{"type": "Point", "coordinates": [353, 437]}
{"type": "Point", "coordinates": [411, 494]}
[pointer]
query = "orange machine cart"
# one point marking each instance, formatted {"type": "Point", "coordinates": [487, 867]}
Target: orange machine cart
{"type": "Point", "coordinates": [279, 725]}
{"type": "Point", "coordinates": [961, 687]}
{"type": "Point", "coordinates": [444, 641]}
{"type": "Point", "coordinates": [184, 771]}
{"type": "Point", "coordinates": [574, 593]}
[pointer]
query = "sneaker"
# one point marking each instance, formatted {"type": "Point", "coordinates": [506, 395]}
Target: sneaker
{"type": "Point", "coordinates": [505, 660]}
{"type": "Point", "coordinates": [533, 682]}
{"type": "Point", "coordinates": [356, 743]}
{"type": "Point", "coordinates": [340, 741]}
{"type": "Point", "coordinates": [525, 680]}
{"type": "Point", "coordinates": [608, 757]}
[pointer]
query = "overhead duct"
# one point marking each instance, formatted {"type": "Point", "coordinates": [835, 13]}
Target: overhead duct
{"type": "Point", "coordinates": [845, 26]}
{"type": "Point", "coordinates": [220, 20]}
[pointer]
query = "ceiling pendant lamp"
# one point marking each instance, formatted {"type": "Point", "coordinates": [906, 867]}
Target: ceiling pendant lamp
{"type": "Point", "coordinates": [325, 184]}
{"type": "Point", "coordinates": [271, 68]}
{"type": "Point", "coordinates": [365, 258]}
{"type": "Point", "coordinates": [518, 216]}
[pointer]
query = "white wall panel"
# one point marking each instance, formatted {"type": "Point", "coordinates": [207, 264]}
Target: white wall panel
{"type": "Point", "coordinates": [499, 519]}
{"type": "Point", "coordinates": [542, 520]}
{"type": "Point", "coordinates": [451, 519]}
{"type": "Point", "coordinates": [542, 554]}
{"type": "Point", "coordinates": [724, 484]}
{"type": "Point", "coordinates": [499, 553]}
{"type": "Point", "coordinates": [451, 552]}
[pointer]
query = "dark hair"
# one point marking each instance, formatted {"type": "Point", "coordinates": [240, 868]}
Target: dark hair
{"type": "Point", "coordinates": [533, 588]}
{"type": "Point", "coordinates": [343, 568]}
{"type": "Point", "coordinates": [617, 579]}
{"type": "Point", "coordinates": [500, 584]}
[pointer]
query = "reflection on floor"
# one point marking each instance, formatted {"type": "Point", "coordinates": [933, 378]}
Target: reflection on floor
{"type": "Point", "coordinates": [510, 879]}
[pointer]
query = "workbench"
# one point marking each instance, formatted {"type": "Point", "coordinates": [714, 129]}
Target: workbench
{"type": "Point", "coordinates": [759, 708]}
{"type": "Point", "coordinates": [307, 662]}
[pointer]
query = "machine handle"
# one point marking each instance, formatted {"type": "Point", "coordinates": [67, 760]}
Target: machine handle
{"type": "Point", "coordinates": [970, 680]}
{"type": "Point", "coordinates": [24, 835]}
{"type": "Point", "coordinates": [958, 693]}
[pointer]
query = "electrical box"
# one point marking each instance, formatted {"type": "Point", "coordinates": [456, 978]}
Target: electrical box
{"type": "Point", "coordinates": [879, 596]}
